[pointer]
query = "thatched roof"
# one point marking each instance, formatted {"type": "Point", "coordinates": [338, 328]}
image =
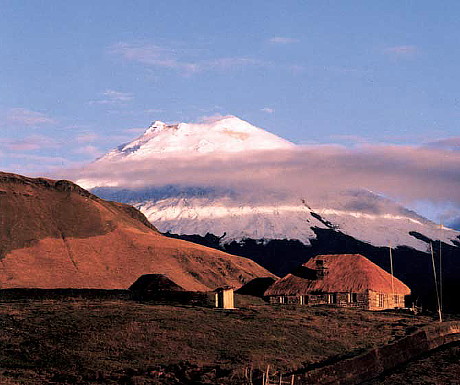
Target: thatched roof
{"type": "Point", "coordinates": [343, 273]}
{"type": "Point", "coordinates": [155, 283]}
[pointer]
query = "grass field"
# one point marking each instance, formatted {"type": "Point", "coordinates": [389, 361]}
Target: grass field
{"type": "Point", "coordinates": [79, 341]}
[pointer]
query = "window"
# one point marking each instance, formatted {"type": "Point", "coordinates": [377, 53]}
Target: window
{"type": "Point", "coordinates": [332, 298]}
{"type": "Point", "coordinates": [352, 297]}
{"type": "Point", "coordinates": [396, 299]}
{"type": "Point", "coordinates": [303, 300]}
{"type": "Point", "coordinates": [381, 298]}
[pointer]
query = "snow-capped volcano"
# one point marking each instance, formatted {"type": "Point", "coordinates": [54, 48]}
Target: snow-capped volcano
{"type": "Point", "coordinates": [230, 185]}
{"type": "Point", "coordinates": [262, 215]}
{"type": "Point", "coordinates": [228, 134]}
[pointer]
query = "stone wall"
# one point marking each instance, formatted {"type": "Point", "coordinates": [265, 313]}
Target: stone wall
{"type": "Point", "coordinates": [369, 300]}
{"type": "Point", "coordinates": [387, 301]}
{"type": "Point", "coordinates": [376, 361]}
{"type": "Point", "coordinates": [360, 300]}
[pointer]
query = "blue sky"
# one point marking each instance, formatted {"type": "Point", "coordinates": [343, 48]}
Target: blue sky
{"type": "Point", "coordinates": [78, 78]}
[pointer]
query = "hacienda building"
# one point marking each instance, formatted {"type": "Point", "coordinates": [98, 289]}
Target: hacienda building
{"type": "Point", "coordinates": [348, 280]}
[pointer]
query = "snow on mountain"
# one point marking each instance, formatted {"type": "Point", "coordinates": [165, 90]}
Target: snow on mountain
{"type": "Point", "coordinates": [360, 214]}
{"type": "Point", "coordinates": [226, 218]}
{"type": "Point", "coordinates": [232, 220]}
{"type": "Point", "coordinates": [229, 134]}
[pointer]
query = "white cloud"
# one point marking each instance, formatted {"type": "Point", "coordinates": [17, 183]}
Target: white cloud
{"type": "Point", "coordinates": [401, 50]}
{"type": "Point", "coordinates": [177, 59]}
{"type": "Point", "coordinates": [268, 110]}
{"type": "Point", "coordinates": [114, 97]}
{"type": "Point", "coordinates": [118, 96]}
{"type": "Point", "coordinates": [229, 63]}
{"type": "Point", "coordinates": [283, 40]}
{"type": "Point", "coordinates": [145, 53]}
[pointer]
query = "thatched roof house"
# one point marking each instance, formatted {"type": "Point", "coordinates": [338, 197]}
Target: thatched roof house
{"type": "Point", "coordinates": [343, 280]}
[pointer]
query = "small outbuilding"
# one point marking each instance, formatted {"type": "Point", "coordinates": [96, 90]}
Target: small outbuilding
{"type": "Point", "coordinates": [225, 298]}
{"type": "Point", "coordinates": [348, 280]}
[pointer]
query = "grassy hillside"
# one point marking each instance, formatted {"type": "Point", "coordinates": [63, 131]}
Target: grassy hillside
{"type": "Point", "coordinates": [54, 234]}
{"type": "Point", "coordinates": [123, 342]}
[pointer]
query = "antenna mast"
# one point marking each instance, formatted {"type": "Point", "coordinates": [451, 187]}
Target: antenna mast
{"type": "Point", "coordinates": [440, 266]}
{"type": "Point", "coordinates": [392, 273]}
{"type": "Point", "coordinates": [436, 283]}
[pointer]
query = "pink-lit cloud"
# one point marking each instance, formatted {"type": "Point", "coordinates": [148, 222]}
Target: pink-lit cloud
{"type": "Point", "coordinates": [136, 131]}
{"type": "Point", "coordinates": [36, 165]}
{"type": "Point", "coordinates": [25, 117]}
{"type": "Point", "coordinates": [448, 143]}
{"type": "Point", "coordinates": [403, 172]}
{"type": "Point", "coordinates": [88, 150]}
{"type": "Point", "coordinates": [29, 143]}
{"type": "Point", "coordinates": [87, 137]}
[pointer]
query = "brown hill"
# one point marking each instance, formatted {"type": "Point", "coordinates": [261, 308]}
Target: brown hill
{"type": "Point", "coordinates": [54, 234]}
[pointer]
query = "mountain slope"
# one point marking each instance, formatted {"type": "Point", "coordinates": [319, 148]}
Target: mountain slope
{"type": "Point", "coordinates": [54, 234]}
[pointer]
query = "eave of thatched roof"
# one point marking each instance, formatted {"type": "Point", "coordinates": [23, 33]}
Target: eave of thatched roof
{"type": "Point", "coordinates": [345, 273]}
